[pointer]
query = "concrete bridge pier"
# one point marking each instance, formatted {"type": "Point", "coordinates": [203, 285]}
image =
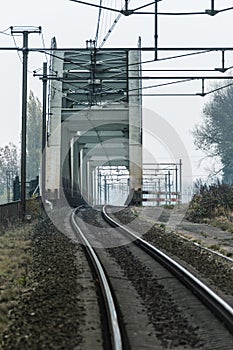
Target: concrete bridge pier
{"type": "Point", "coordinates": [135, 127]}
{"type": "Point", "coordinates": [76, 168]}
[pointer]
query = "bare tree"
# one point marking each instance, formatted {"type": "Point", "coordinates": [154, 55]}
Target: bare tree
{"type": "Point", "coordinates": [34, 124]}
{"type": "Point", "coordinates": [215, 135]}
{"type": "Point", "coordinates": [9, 167]}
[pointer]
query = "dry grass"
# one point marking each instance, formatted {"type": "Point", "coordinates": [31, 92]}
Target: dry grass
{"type": "Point", "coordinates": [223, 223]}
{"type": "Point", "coordinates": [223, 251]}
{"type": "Point", "coordinates": [14, 261]}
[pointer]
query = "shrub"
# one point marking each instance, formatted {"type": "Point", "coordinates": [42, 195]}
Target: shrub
{"type": "Point", "coordinates": [210, 201]}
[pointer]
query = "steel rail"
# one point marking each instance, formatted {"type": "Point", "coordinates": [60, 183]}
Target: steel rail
{"type": "Point", "coordinates": [216, 304]}
{"type": "Point", "coordinates": [111, 309]}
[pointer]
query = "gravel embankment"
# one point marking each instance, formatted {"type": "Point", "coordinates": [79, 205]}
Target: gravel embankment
{"type": "Point", "coordinates": [48, 315]}
{"type": "Point", "coordinates": [176, 319]}
{"type": "Point", "coordinates": [56, 309]}
{"type": "Point", "coordinates": [216, 271]}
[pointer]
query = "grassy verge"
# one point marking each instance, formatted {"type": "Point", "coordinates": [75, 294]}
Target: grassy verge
{"type": "Point", "coordinates": [223, 223]}
{"type": "Point", "coordinates": [212, 204]}
{"type": "Point", "coordinates": [14, 261]}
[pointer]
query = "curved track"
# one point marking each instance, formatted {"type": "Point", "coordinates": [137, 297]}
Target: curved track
{"type": "Point", "coordinates": [110, 295]}
{"type": "Point", "coordinates": [217, 305]}
{"type": "Point", "coordinates": [113, 324]}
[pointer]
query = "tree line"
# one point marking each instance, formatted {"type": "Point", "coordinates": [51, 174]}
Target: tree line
{"type": "Point", "coordinates": [10, 154]}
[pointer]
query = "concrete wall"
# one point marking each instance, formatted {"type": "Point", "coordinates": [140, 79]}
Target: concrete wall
{"type": "Point", "coordinates": [135, 122]}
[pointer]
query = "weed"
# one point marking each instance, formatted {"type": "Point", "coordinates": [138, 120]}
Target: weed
{"type": "Point", "coordinates": [15, 258]}
{"type": "Point", "coordinates": [204, 234]}
{"type": "Point", "coordinates": [195, 240]}
{"type": "Point", "coordinates": [210, 201]}
{"type": "Point", "coordinates": [214, 247]}
{"type": "Point", "coordinates": [168, 206]}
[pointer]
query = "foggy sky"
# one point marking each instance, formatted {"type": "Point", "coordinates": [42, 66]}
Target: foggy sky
{"type": "Point", "coordinates": [72, 24]}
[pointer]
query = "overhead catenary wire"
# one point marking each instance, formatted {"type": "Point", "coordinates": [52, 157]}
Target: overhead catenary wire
{"type": "Point", "coordinates": [146, 62]}
{"type": "Point", "coordinates": [20, 58]}
{"type": "Point", "coordinates": [226, 9]}
{"type": "Point", "coordinates": [160, 85]}
{"type": "Point", "coordinates": [154, 86]}
{"type": "Point", "coordinates": [110, 30]}
{"type": "Point", "coordinates": [18, 49]}
{"type": "Point", "coordinates": [146, 5]}
{"type": "Point", "coordinates": [108, 18]}
{"type": "Point", "coordinates": [45, 51]}
{"type": "Point", "coordinates": [4, 31]}
{"type": "Point", "coordinates": [98, 23]}
{"type": "Point", "coordinates": [95, 5]}
{"type": "Point", "coordinates": [186, 78]}
{"type": "Point", "coordinates": [173, 57]}
{"type": "Point", "coordinates": [43, 43]}
{"type": "Point", "coordinates": [165, 58]}
{"type": "Point", "coordinates": [211, 12]}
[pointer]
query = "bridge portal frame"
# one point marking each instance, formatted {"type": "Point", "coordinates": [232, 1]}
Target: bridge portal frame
{"type": "Point", "coordinates": [95, 117]}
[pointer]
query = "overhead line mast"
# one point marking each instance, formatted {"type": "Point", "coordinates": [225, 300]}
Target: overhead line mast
{"type": "Point", "coordinates": [25, 31]}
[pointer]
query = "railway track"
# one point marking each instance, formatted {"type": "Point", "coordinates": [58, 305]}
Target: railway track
{"type": "Point", "coordinates": [157, 329]}
{"type": "Point", "coordinates": [112, 326]}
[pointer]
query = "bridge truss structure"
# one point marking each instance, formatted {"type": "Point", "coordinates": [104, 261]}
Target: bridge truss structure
{"type": "Point", "coordinates": [95, 120]}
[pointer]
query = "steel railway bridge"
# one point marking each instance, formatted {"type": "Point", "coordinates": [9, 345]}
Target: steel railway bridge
{"type": "Point", "coordinates": [94, 123]}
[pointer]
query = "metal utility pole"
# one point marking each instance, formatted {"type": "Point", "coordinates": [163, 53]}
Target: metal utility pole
{"type": "Point", "coordinates": [176, 181]}
{"type": "Point", "coordinates": [169, 186]}
{"type": "Point", "coordinates": [156, 30]}
{"type": "Point", "coordinates": [25, 32]}
{"type": "Point", "coordinates": [212, 6]}
{"type": "Point", "coordinates": [24, 124]}
{"type": "Point", "coordinates": [44, 136]}
{"type": "Point", "coordinates": [180, 166]}
{"type": "Point", "coordinates": [105, 189]}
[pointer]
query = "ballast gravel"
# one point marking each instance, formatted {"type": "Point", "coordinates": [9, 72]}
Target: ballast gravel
{"type": "Point", "coordinates": [213, 269]}
{"type": "Point", "coordinates": [51, 313]}
{"type": "Point", "coordinates": [48, 315]}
